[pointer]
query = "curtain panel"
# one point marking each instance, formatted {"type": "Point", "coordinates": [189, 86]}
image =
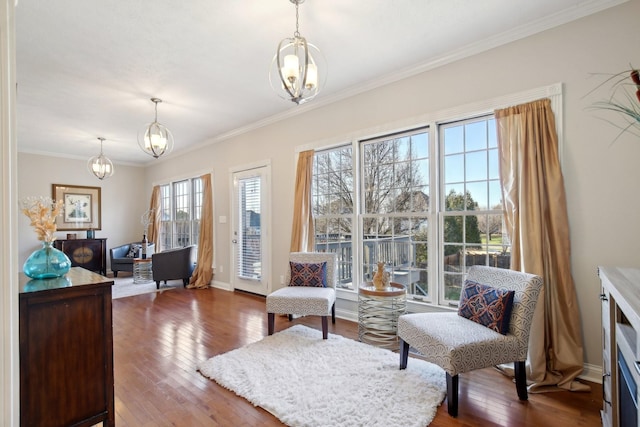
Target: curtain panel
{"type": "Point", "coordinates": [537, 223]}
{"type": "Point", "coordinates": [302, 235]}
{"type": "Point", "coordinates": [154, 225]}
{"type": "Point", "coordinates": [203, 273]}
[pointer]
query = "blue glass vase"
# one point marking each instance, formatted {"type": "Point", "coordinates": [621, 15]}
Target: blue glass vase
{"type": "Point", "coordinates": [46, 263]}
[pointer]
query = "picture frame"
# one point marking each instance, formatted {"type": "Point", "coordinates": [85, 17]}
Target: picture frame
{"type": "Point", "coordinates": [82, 208]}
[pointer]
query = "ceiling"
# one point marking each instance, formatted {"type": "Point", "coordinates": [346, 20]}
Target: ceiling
{"type": "Point", "coordinates": [87, 69]}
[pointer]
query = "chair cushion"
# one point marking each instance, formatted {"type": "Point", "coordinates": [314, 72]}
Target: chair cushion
{"type": "Point", "coordinates": [308, 274]}
{"type": "Point", "coordinates": [457, 344]}
{"type": "Point", "coordinates": [486, 305]}
{"type": "Point", "coordinates": [302, 300]}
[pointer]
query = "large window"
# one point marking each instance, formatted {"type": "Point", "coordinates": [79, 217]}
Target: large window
{"type": "Point", "coordinates": [471, 206]}
{"type": "Point", "coordinates": [181, 209]}
{"type": "Point", "coordinates": [426, 246]}
{"type": "Point", "coordinates": [394, 195]}
{"type": "Point", "coordinates": [333, 208]}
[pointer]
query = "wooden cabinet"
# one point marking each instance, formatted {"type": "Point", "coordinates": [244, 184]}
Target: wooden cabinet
{"type": "Point", "coordinates": [66, 350]}
{"type": "Point", "coordinates": [620, 296]}
{"type": "Point", "coordinates": [86, 253]}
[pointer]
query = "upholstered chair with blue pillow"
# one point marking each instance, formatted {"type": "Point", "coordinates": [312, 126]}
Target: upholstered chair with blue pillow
{"type": "Point", "coordinates": [490, 328]}
{"type": "Point", "coordinates": [311, 289]}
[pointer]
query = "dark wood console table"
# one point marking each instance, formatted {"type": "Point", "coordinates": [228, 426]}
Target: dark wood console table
{"type": "Point", "coordinates": [87, 253]}
{"type": "Point", "coordinates": [66, 350]}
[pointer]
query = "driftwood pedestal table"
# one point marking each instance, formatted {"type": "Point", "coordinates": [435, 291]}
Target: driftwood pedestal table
{"type": "Point", "coordinates": [378, 312]}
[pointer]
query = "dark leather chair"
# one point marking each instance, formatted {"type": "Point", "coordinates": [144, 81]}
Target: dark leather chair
{"type": "Point", "coordinates": [172, 264]}
{"type": "Point", "coordinates": [122, 256]}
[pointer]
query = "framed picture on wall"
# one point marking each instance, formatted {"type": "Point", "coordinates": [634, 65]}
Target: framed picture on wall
{"type": "Point", "coordinates": [81, 207]}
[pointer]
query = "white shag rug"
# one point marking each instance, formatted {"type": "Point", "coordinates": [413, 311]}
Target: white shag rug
{"type": "Point", "coordinates": [304, 380]}
{"type": "Point", "coordinates": [124, 287]}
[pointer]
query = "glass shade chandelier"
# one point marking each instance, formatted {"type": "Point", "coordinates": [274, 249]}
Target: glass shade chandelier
{"type": "Point", "coordinates": [100, 165]}
{"type": "Point", "coordinates": [298, 69]}
{"type": "Point", "coordinates": [155, 139]}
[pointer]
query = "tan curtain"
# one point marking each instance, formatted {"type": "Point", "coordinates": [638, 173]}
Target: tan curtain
{"type": "Point", "coordinates": [537, 224]}
{"type": "Point", "coordinates": [302, 235]}
{"type": "Point", "coordinates": [203, 273]}
{"type": "Point", "coordinates": [154, 226]}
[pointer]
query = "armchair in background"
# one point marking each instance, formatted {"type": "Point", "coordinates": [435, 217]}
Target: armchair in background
{"type": "Point", "coordinates": [122, 256]}
{"type": "Point", "coordinates": [172, 264]}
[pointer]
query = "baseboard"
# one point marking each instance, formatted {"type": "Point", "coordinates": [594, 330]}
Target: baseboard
{"type": "Point", "coordinates": [347, 315]}
{"type": "Point", "coordinates": [592, 373]}
{"type": "Point", "coordinates": [222, 285]}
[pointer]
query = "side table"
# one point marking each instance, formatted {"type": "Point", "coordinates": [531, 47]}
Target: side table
{"type": "Point", "coordinates": [378, 312]}
{"type": "Point", "coordinates": [142, 271]}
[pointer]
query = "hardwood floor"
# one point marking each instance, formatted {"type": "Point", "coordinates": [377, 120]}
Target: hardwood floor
{"type": "Point", "coordinates": [160, 338]}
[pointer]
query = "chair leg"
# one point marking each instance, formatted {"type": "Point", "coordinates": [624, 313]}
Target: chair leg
{"type": "Point", "coordinates": [333, 313]}
{"type": "Point", "coordinates": [325, 327]}
{"type": "Point", "coordinates": [520, 370]}
{"type": "Point", "coordinates": [115, 273]}
{"type": "Point", "coordinates": [452, 395]}
{"type": "Point", "coordinates": [404, 353]}
{"type": "Point", "coordinates": [290, 317]}
{"type": "Point", "coordinates": [157, 284]}
{"type": "Point", "coordinates": [271, 317]}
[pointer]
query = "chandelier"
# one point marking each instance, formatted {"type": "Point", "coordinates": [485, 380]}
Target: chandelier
{"type": "Point", "coordinates": [100, 165]}
{"type": "Point", "coordinates": [296, 73]}
{"type": "Point", "coordinates": [155, 139]}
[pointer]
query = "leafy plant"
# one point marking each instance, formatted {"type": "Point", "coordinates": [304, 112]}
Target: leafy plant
{"type": "Point", "coordinates": [624, 100]}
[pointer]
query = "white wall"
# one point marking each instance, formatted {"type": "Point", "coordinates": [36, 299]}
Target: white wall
{"type": "Point", "coordinates": [124, 198]}
{"type": "Point", "coordinates": [601, 178]}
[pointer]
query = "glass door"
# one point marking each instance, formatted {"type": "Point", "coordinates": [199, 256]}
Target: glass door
{"type": "Point", "coordinates": [250, 231]}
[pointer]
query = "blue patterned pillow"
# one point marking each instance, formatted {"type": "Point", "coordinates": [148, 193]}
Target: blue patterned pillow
{"type": "Point", "coordinates": [312, 274]}
{"type": "Point", "coordinates": [487, 306]}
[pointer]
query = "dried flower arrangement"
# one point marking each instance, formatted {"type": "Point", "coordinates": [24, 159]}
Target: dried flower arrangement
{"type": "Point", "coordinates": [146, 219]}
{"type": "Point", "coordinates": [622, 100]}
{"type": "Point", "coordinates": [42, 211]}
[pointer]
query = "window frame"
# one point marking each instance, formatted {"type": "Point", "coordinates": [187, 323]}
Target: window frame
{"type": "Point", "coordinates": [444, 275]}
{"type": "Point", "coordinates": [169, 224]}
{"type": "Point", "coordinates": [482, 108]}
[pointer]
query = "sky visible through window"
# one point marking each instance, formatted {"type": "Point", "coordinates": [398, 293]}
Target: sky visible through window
{"type": "Point", "coordinates": [471, 161]}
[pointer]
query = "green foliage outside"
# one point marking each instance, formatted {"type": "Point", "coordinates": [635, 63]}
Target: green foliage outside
{"type": "Point", "coordinates": [454, 225]}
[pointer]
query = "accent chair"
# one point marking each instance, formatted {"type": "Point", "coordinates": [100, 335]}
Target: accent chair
{"type": "Point", "coordinates": [458, 344]}
{"type": "Point", "coordinates": [311, 279]}
{"type": "Point", "coordinates": [172, 264]}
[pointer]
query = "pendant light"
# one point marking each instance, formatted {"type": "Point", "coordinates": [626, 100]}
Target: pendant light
{"type": "Point", "coordinates": [100, 165]}
{"type": "Point", "coordinates": [155, 139]}
{"type": "Point", "coordinates": [298, 69]}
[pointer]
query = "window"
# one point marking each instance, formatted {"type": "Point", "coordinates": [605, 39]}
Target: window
{"type": "Point", "coordinates": [249, 231]}
{"type": "Point", "coordinates": [395, 208]}
{"type": "Point", "coordinates": [426, 200]}
{"type": "Point", "coordinates": [390, 200]}
{"type": "Point", "coordinates": [333, 208]}
{"type": "Point", "coordinates": [181, 210]}
{"type": "Point", "coordinates": [471, 206]}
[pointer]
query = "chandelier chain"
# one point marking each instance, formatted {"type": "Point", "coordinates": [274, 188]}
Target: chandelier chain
{"type": "Point", "coordinates": [297, 32]}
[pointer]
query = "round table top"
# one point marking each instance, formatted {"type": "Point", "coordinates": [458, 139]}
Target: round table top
{"type": "Point", "coordinates": [393, 290]}
{"type": "Point", "coordinates": [143, 260]}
